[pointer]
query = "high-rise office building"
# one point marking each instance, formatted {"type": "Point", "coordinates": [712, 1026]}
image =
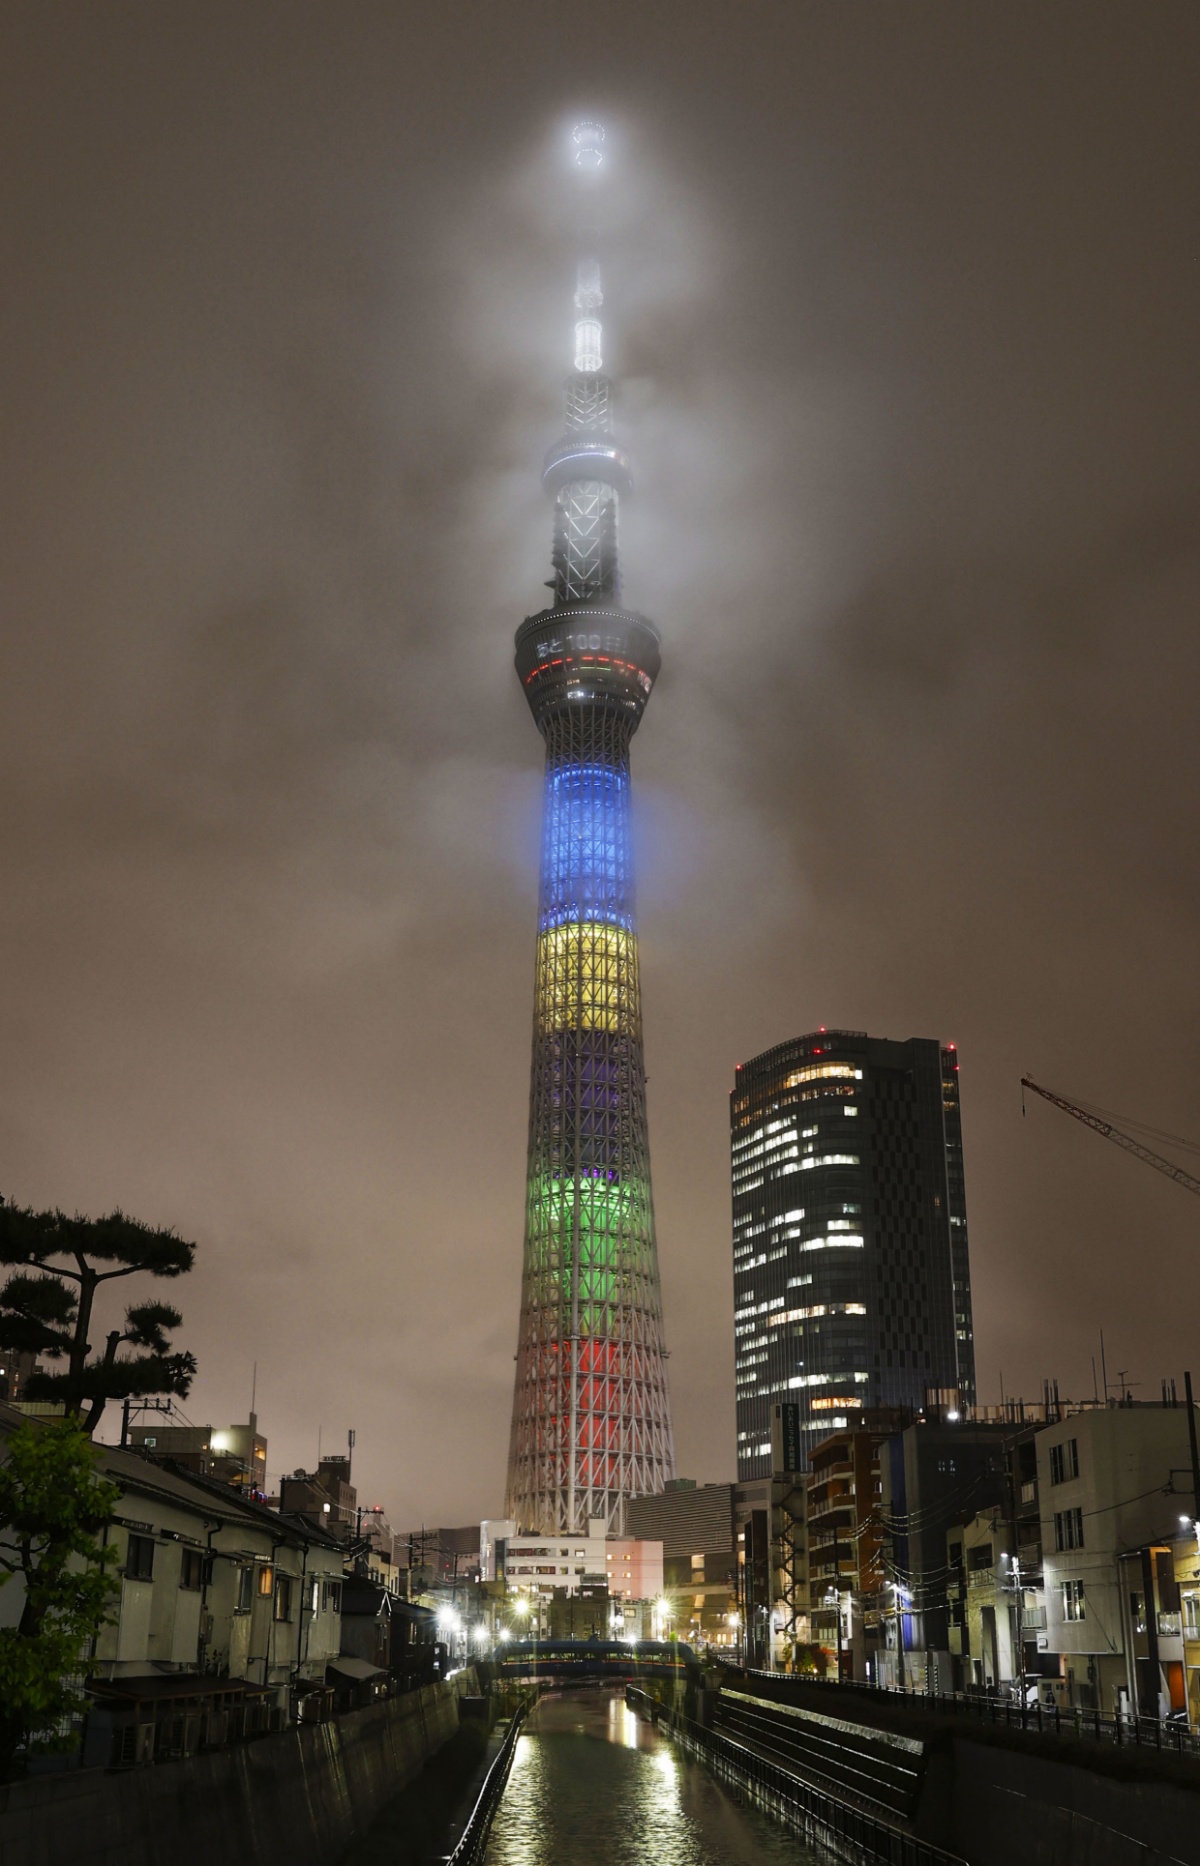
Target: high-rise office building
{"type": "Point", "coordinates": [591, 1422]}
{"type": "Point", "coordinates": [852, 1286]}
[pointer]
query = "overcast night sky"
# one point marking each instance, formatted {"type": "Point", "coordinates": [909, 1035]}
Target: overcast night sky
{"type": "Point", "coordinates": [903, 302]}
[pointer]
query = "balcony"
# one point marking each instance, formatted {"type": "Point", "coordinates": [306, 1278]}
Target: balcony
{"type": "Point", "coordinates": [840, 1510]}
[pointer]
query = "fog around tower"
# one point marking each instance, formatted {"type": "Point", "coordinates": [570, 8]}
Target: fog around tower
{"type": "Point", "coordinates": [901, 310]}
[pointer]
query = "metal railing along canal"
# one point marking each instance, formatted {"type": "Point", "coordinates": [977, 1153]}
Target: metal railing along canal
{"type": "Point", "coordinates": [473, 1840]}
{"type": "Point", "coordinates": [1044, 1719]}
{"type": "Point", "coordinates": [814, 1812]}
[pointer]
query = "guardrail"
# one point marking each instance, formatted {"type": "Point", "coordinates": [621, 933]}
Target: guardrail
{"type": "Point", "coordinates": [1047, 1720]}
{"type": "Point", "coordinates": [810, 1811]}
{"type": "Point", "coordinates": [473, 1840]}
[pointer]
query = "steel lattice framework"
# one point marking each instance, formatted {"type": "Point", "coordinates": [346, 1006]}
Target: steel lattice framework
{"type": "Point", "coordinates": [591, 1419]}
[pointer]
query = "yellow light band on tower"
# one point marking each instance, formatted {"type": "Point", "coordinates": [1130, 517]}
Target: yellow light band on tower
{"type": "Point", "coordinates": [586, 978]}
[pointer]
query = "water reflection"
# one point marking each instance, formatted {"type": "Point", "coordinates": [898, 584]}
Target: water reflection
{"type": "Point", "coordinates": [594, 1785]}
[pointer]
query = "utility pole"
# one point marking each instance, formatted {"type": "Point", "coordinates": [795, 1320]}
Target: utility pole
{"type": "Point", "coordinates": [899, 1593]}
{"type": "Point", "coordinates": [1018, 1591]}
{"type": "Point", "coordinates": [1191, 1413]}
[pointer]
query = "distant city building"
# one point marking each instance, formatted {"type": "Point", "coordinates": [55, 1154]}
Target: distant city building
{"type": "Point", "coordinates": [625, 1567]}
{"type": "Point", "coordinates": [849, 1601]}
{"type": "Point", "coordinates": [326, 1494]}
{"type": "Point", "coordinates": [440, 1557]}
{"type": "Point", "coordinates": [15, 1369]}
{"type": "Point", "coordinates": [694, 1524]}
{"type": "Point", "coordinates": [851, 1269]}
{"type": "Point", "coordinates": [692, 1521]}
{"type": "Point", "coordinates": [493, 1542]}
{"type": "Point", "coordinates": [936, 1472]}
{"type": "Point", "coordinates": [237, 1454]}
{"type": "Point", "coordinates": [634, 1568]}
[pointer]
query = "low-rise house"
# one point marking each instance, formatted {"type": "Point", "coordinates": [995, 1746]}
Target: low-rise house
{"type": "Point", "coordinates": [987, 1626]}
{"type": "Point", "coordinates": [226, 1618]}
{"type": "Point", "coordinates": [217, 1591]}
{"type": "Point", "coordinates": [385, 1638]}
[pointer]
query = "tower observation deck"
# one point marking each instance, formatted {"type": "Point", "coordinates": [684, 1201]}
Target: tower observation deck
{"type": "Point", "coordinates": [591, 1423]}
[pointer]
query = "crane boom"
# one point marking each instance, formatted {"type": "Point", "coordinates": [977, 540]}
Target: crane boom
{"type": "Point", "coordinates": [1114, 1134]}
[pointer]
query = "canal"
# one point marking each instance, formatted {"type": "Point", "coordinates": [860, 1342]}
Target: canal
{"type": "Point", "coordinates": [592, 1784]}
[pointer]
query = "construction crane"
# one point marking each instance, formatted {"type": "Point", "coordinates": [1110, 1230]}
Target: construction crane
{"type": "Point", "coordinates": [1095, 1121]}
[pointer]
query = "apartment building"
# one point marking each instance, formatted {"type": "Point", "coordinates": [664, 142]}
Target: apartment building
{"type": "Point", "coordinates": [1113, 1485]}
{"type": "Point", "coordinates": [846, 1581]}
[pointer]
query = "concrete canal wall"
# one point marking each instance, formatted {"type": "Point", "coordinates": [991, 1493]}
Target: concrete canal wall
{"type": "Point", "coordinates": [293, 1799]}
{"type": "Point", "coordinates": [1005, 1807]}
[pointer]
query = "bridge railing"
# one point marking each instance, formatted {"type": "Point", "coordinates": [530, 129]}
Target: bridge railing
{"type": "Point", "coordinates": [1047, 1720]}
{"type": "Point", "coordinates": [847, 1830]}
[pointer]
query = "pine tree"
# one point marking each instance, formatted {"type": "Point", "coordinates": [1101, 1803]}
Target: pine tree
{"type": "Point", "coordinates": [46, 1307]}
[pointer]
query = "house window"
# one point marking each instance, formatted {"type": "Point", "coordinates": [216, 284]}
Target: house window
{"type": "Point", "coordinates": [980, 1557]}
{"type": "Point", "coordinates": [1064, 1461]}
{"type": "Point", "coordinates": [191, 1571]}
{"type": "Point", "coordinates": [283, 1598]}
{"type": "Point", "coordinates": [245, 1590]}
{"type": "Point", "coordinates": [1068, 1529]}
{"type": "Point", "coordinates": [139, 1559]}
{"type": "Point", "coordinates": [266, 1581]}
{"type": "Point", "coordinates": [1072, 1599]}
{"type": "Point", "coordinates": [331, 1592]}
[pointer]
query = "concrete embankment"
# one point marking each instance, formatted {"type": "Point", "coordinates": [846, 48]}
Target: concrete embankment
{"type": "Point", "coordinates": [988, 1794]}
{"type": "Point", "coordinates": [293, 1799]}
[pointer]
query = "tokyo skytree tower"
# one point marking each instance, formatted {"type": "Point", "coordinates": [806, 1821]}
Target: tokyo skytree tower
{"type": "Point", "coordinates": [591, 1420]}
